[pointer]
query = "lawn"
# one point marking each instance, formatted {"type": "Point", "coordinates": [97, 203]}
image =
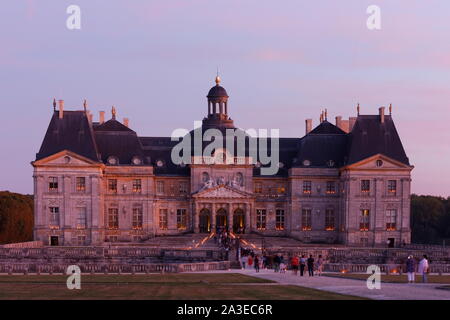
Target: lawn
{"type": "Point", "coordinates": [186, 286]}
{"type": "Point", "coordinates": [444, 279]}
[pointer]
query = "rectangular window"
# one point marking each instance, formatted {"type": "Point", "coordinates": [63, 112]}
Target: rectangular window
{"type": "Point", "coordinates": [258, 187]}
{"type": "Point", "coordinates": [329, 220]}
{"type": "Point", "coordinates": [53, 184]}
{"type": "Point", "coordinates": [54, 218]}
{"type": "Point", "coordinates": [81, 218]}
{"type": "Point", "coordinates": [81, 184]}
{"type": "Point", "coordinates": [160, 187]}
{"type": "Point", "coordinates": [261, 219]}
{"type": "Point", "coordinates": [331, 187]}
{"type": "Point", "coordinates": [163, 224]}
{"type": "Point", "coordinates": [137, 218]}
{"type": "Point", "coordinates": [364, 222]}
{"type": "Point", "coordinates": [137, 185]}
{"type": "Point", "coordinates": [183, 188]}
{"type": "Point", "coordinates": [392, 187]}
{"type": "Point", "coordinates": [279, 219]}
{"type": "Point", "coordinates": [181, 219]}
{"type": "Point", "coordinates": [365, 186]}
{"type": "Point", "coordinates": [81, 240]}
{"type": "Point", "coordinates": [307, 187]}
{"type": "Point", "coordinates": [281, 189]}
{"type": "Point", "coordinates": [113, 218]}
{"type": "Point", "coordinates": [391, 220]}
{"type": "Point", "coordinates": [112, 185]}
{"type": "Point", "coordinates": [306, 220]}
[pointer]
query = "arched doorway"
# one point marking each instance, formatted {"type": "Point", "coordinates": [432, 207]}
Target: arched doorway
{"type": "Point", "coordinates": [204, 223]}
{"type": "Point", "coordinates": [221, 219]}
{"type": "Point", "coordinates": [239, 221]}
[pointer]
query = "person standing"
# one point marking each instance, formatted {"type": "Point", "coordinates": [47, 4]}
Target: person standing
{"type": "Point", "coordinates": [294, 263]}
{"type": "Point", "coordinates": [319, 265]}
{"type": "Point", "coordinates": [243, 261]}
{"type": "Point", "coordinates": [424, 268]}
{"type": "Point", "coordinates": [302, 265]}
{"type": "Point", "coordinates": [410, 269]}
{"type": "Point", "coordinates": [256, 262]}
{"type": "Point", "coordinates": [310, 263]}
{"type": "Point", "coordinates": [276, 263]}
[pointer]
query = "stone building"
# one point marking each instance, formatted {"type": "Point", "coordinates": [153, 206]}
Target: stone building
{"type": "Point", "coordinates": [97, 182]}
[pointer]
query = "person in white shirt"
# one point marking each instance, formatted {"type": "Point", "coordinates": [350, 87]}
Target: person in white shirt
{"type": "Point", "coordinates": [424, 268]}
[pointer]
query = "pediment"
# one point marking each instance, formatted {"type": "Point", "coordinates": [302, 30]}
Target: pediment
{"type": "Point", "coordinates": [66, 158]}
{"type": "Point", "coordinates": [371, 164]}
{"type": "Point", "coordinates": [222, 191]}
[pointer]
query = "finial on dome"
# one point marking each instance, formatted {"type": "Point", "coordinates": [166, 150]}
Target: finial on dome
{"type": "Point", "coordinates": [113, 112]}
{"type": "Point", "coordinates": [218, 80]}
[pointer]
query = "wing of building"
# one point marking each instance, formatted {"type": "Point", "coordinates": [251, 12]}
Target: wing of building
{"type": "Point", "coordinates": [97, 182]}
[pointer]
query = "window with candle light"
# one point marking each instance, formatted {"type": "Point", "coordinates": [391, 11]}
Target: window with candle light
{"type": "Point", "coordinates": [163, 222]}
{"type": "Point", "coordinates": [329, 220]}
{"type": "Point", "coordinates": [113, 218]}
{"type": "Point", "coordinates": [261, 217]}
{"type": "Point", "coordinates": [181, 219]}
{"type": "Point", "coordinates": [364, 222]}
{"type": "Point", "coordinates": [391, 220]}
{"type": "Point", "coordinates": [279, 219]}
{"type": "Point", "coordinates": [307, 186]}
{"type": "Point", "coordinates": [306, 220]}
{"type": "Point", "coordinates": [137, 218]}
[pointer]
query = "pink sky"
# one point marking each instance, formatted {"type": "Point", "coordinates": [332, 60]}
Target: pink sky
{"type": "Point", "coordinates": [281, 62]}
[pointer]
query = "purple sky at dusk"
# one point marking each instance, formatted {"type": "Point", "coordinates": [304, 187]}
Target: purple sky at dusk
{"type": "Point", "coordinates": [280, 61]}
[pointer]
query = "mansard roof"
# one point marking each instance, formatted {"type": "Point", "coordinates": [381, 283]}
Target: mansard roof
{"type": "Point", "coordinates": [370, 136]}
{"type": "Point", "coordinates": [326, 128]}
{"type": "Point", "coordinates": [72, 132]}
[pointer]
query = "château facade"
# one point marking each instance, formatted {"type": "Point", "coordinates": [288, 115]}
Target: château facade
{"type": "Point", "coordinates": [97, 182]}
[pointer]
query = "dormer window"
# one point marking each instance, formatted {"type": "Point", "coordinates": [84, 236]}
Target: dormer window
{"type": "Point", "coordinates": [306, 163]}
{"type": "Point", "coordinates": [136, 161]}
{"type": "Point", "coordinates": [379, 163]}
{"type": "Point", "coordinates": [159, 163]}
{"type": "Point", "coordinates": [113, 161]}
{"type": "Point", "coordinates": [330, 163]}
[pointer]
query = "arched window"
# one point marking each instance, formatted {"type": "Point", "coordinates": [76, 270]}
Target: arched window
{"type": "Point", "coordinates": [205, 177]}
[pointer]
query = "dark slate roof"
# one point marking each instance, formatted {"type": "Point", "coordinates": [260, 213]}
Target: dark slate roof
{"type": "Point", "coordinates": [112, 125]}
{"type": "Point", "coordinates": [73, 132]}
{"type": "Point", "coordinates": [217, 91]}
{"type": "Point", "coordinates": [370, 137]}
{"type": "Point", "coordinates": [319, 149]}
{"type": "Point", "coordinates": [326, 128]}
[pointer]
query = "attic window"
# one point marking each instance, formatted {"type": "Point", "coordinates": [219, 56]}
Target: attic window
{"type": "Point", "coordinates": [306, 163]}
{"type": "Point", "coordinates": [379, 163]}
{"type": "Point", "coordinates": [136, 161]}
{"type": "Point", "coordinates": [159, 163]}
{"type": "Point", "coordinates": [330, 163]}
{"type": "Point", "coordinates": [280, 164]}
{"type": "Point", "coordinates": [67, 159]}
{"type": "Point", "coordinates": [113, 160]}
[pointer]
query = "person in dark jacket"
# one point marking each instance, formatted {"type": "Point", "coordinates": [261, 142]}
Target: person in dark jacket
{"type": "Point", "coordinates": [310, 266]}
{"type": "Point", "coordinates": [256, 261]}
{"type": "Point", "coordinates": [411, 269]}
{"type": "Point", "coordinates": [302, 265]}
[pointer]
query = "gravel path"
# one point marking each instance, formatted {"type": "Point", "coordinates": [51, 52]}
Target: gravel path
{"type": "Point", "coordinates": [388, 291]}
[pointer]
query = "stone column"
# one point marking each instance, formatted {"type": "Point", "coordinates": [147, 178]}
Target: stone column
{"type": "Point", "coordinates": [248, 208]}
{"type": "Point", "coordinates": [196, 213]}
{"type": "Point", "coordinates": [213, 217]}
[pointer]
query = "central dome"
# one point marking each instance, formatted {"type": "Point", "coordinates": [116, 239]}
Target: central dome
{"type": "Point", "coordinates": [217, 91]}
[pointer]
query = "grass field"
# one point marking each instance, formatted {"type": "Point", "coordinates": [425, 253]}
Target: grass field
{"type": "Point", "coordinates": [158, 287]}
{"type": "Point", "coordinates": [444, 279]}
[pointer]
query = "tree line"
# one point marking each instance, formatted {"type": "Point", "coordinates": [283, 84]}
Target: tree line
{"type": "Point", "coordinates": [430, 218]}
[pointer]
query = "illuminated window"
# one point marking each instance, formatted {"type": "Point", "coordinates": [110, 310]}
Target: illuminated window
{"type": "Point", "coordinates": [137, 185]}
{"type": "Point", "coordinates": [307, 187]}
{"type": "Point", "coordinates": [181, 219]}
{"type": "Point", "coordinates": [306, 220]}
{"type": "Point", "coordinates": [258, 187]}
{"type": "Point", "coordinates": [329, 220]}
{"type": "Point", "coordinates": [112, 185]}
{"type": "Point", "coordinates": [113, 218]}
{"type": "Point", "coordinates": [53, 184]}
{"type": "Point", "coordinates": [392, 187]}
{"type": "Point", "coordinates": [163, 219]}
{"type": "Point", "coordinates": [261, 218]}
{"type": "Point", "coordinates": [364, 222]}
{"type": "Point", "coordinates": [391, 220]}
{"type": "Point", "coordinates": [81, 218]}
{"type": "Point", "coordinates": [331, 187]}
{"type": "Point", "coordinates": [81, 184]}
{"type": "Point", "coordinates": [137, 218]}
{"type": "Point", "coordinates": [279, 219]}
{"type": "Point", "coordinates": [54, 217]}
{"type": "Point", "coordinates": [365, 186]}
{"type": "Point", "coordinates": [281, 189]}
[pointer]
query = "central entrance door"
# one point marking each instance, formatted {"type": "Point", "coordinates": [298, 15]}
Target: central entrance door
{"type": "Point", "coordinates": [221, 220]}
{"type": "Point", "coordinates": [205, 221]}
{"type": "Point", "coordinates": [238, 221]}
{"type": "Point", "coordinates": [54, 241]}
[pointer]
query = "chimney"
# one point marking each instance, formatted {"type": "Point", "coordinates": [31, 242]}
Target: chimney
{"type": "Point", "coordinates": [381, 112]}
{"type": "Point", "coordinates": [61, 108]}
{"type": "Point", "coordinates": [102, 117]}
{"type": "Point", "coordinates": [126, 122]}
{"type": "Point", "coordinates": [90, 116]}
{"type": "Point", "coordinates": [308, 125]}
{"type": "Point", "coordinates": [339, 122]}
{"type": "Point", "coordinates": [351, 123]}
